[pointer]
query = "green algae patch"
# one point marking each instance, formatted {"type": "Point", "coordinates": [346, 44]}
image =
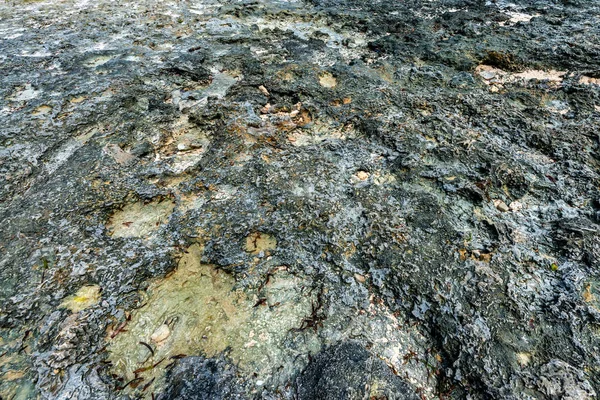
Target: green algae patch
{"type": "Point", "coordinates": [85, 297]}
{"type": "Point", "coordinates": [139, 219]}
{"type": "Point", "coordinates": [198, 311]}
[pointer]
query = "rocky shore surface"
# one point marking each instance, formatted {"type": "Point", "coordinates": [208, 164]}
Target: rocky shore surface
{"type": "Point", "coordinates": [299, 199]}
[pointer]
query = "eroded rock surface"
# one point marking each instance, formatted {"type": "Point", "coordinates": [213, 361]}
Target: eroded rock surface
{"type": "Point", "coordinates": [299, 199]}
{"type": "Point", "coordinates": [348, 371]}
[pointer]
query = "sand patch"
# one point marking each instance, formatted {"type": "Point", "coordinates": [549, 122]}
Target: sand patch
{"type": "Point", "coordinates": [320, 132]}
{"type": "Point", "coordinates": [41, 110]}
{"type": "Point", "coordinates": [496, 77]}
{"type": "Point", "coordinates": [586, 80]}
{"type": "Point", "coordinates": [185, 146]}
{"type": "Point", "coordinates": [97, 61]}
{"type": "Point", "coordinates": [492, 75]}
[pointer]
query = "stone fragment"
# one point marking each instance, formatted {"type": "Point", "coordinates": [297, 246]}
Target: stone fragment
{"type": "Point", "coordinates": [265, 109]}
{"type": "Point", "coordinates": [515, 206]}
{"type": "Point", "coordinates": [500, 205]}
{"type": "Point", "coordinates": [487, 75]}
{"type": "Point", "coordinates": [362, 175]}
{"type": "Point", "coordinates": [523, 359]}
{"type": "Point", "coordinates": [327, 80]}
{"type": "Point", "coordinates": [161, 334]}
{"type": "Point", "coordinates": [263, 90]}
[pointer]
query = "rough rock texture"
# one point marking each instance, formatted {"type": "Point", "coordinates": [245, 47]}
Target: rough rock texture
{"type": "Point", "coordinates": [348, 371]}
{"type": "Point", "coordinates": [196, 378]}
{"type": "Point", "coordinates": [407, 188]}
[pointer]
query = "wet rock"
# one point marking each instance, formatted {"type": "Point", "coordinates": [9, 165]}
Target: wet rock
{"type": "Point", "coordinates": [198, 378]}
{"type": "Point", "coordinates": [259, 182]}
{"type": "Point", "coordinates": [559, 380]}
{"type": "Point", "coordinates": [142, 149]}
{"type": "Point", "coordinates": [349, 372]}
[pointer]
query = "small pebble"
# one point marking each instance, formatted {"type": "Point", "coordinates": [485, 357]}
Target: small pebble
{"type": "Point", "coordinates": [161, 334]}
{"type": "Point", "coordinates": [263, 90]}
{"type": "Point", "coordinates": [487, 75]}
{"type": "Point", "coordinates": [515, 206]}
{"type": "Point", "coordinates": [265, 109]}
{"type": "Point", "coordinates": [501, 206]}
{"type": "Point", "coordinates": [362, 175]}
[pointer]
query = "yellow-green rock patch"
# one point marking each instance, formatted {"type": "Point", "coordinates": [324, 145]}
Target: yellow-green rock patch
{"type": "Point", "coordinates": [85, 297]}
{"type": "Point", "coordinates": [258, 242]}
{"type": "Point", "coordinates": [197, 310]}
{"type": "Point", "coordinates": [139, 219]}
